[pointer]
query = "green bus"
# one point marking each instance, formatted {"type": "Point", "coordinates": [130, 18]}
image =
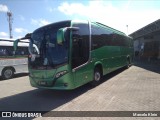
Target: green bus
{"type": "Point", "coordinates": [69, 54]}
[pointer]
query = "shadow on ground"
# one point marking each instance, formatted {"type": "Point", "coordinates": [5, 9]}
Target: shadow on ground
{"type": "Point", "coordinates": [45, 100]}
{"type": "Point", "coordinates": [15, 76]}
{"type": "Point", "coordinates": [154, 67]}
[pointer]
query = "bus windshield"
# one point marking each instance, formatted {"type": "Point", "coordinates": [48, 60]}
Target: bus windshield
{"type": "Point", "coordinates": [51, 54]}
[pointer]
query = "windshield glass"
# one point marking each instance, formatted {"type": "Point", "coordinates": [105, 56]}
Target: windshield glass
{"type": "Point", "coordinates": [51, 54]}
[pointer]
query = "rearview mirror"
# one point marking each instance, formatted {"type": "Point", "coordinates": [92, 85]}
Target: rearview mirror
{"type": "Point", "coordinates": [61, 34]}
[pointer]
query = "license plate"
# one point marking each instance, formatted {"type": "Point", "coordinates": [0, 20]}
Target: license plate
{"type": "Point", "coordinates": [42, 83]}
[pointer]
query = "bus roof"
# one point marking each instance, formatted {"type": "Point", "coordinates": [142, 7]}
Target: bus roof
{"type": "Point", "coordinates": [6, 40]}
{"type": "Point", "coordinates": [10, 43]}
{"type": "Point", "coordinates": [12, 40]}
{"type": "Point", "coordinates": [110, 28]}
{"type": "Point", "coordinates": [1, 39]}
{"type": "Point", "coordinates": [51, 25]}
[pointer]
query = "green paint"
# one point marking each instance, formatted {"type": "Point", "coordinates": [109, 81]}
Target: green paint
{"type": "Point", "coordinates": [109, 57]}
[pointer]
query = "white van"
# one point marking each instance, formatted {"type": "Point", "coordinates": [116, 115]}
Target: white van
{"type": "Point", "coordinates": [11, 62]}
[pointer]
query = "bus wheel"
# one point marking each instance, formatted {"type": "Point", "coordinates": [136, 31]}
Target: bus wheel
{"type": "Point", "coordinates": [97, 77]}
{"type": "Point", "coordinates": [128, 63]}
{"type": "Point", "coordinates": [7, 73]}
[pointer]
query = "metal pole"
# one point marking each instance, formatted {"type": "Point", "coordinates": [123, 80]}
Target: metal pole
{"type": "Point", "coordinates": [127, 29]}
{"type": "Point", "coordinates": [10, 19]}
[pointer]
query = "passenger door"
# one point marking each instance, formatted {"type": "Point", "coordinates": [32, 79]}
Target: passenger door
{"type": "Point", "coordinates": [80, 53]}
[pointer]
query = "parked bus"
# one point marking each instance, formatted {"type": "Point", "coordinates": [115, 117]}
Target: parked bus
{"type": "Point", "coordinates": [72, 53]}
{"type": "Point", "coordinates": [12, 62]}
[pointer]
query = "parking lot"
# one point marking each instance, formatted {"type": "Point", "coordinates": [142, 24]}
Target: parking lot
{"type": "Point", "coordinates": [133, 89]}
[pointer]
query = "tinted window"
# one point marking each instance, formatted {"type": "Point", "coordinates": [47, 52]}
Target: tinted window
{"type": "Point", "coordinates": [100, 37]}
{"type": "Point", "coordinates": [51, 54]}
{"type": "Point", "coordinates": [103, 36]}
{"type": "Point", "coordinates": [3, 52]}
{"type": "Point", "coordinates": [117, 40]}
{"type": "Point", "coordinates": [22, 51]}
{"type": "Point", "coordinates": [6, 51]}
{"type": "Point", "coordinates": [80, 49]}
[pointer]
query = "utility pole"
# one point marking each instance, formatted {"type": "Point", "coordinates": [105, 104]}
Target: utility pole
{"type": "Point", "coordinates": [10, 20]}
{"type": "Point", "coordinates": [127, 29]}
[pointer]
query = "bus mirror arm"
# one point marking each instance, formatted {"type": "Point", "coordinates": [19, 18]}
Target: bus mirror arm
{"type": "Point", "coordinates": [27, 36]}
{"type": "Point", "coordinates": [15, 43]}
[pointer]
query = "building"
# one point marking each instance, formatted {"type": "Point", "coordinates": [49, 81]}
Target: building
{"type": "Point", "coordinates": [147, 41]}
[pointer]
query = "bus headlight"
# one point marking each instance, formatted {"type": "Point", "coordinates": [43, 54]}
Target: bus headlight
{"type": "Point", "coordinates": [61, 73]}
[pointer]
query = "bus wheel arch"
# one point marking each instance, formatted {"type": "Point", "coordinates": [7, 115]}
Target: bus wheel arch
{"type": "Point", "coordinates": [8, 72]}
{"type": "Point", "coordinates": [99, 66]}
{"type": "Point", "coordinates": [97, 74]}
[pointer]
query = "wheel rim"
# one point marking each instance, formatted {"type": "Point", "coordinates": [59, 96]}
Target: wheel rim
{"type": "Point", "coordinates": [8, 73]}
{"type": "Point", "coordinates": [97, 76]}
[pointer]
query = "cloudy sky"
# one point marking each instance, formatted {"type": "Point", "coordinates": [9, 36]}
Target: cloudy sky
{"type": "Point", "coordinates": [28, 15]}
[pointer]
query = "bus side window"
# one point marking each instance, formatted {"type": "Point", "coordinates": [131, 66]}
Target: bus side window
{"type": "Point", "coordinates": [3, 52]}
{"type": "Point", "coordinates": [6, 51]}
{"type": "Point", "coordinates": [25, 51]}
{"type": "Point", "coordinates": [80, 49]}
{"type": "Point", "coordinates": [100, 36]}
{"type": "Point", "coordinates": [10, 50]}
{"type": "Point", "coordinates": [22, 51]}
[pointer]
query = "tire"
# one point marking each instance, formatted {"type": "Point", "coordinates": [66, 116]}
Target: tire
{"type": "Point", "coordinates": [7, 73]}
{"type": "Point", "coordinates": [96, 77]}
{"type": "Point", "coordinates": [128, 63]}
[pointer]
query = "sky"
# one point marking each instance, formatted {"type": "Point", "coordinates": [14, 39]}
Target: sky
{"type": "Point", "coordinates": [28, 15]}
